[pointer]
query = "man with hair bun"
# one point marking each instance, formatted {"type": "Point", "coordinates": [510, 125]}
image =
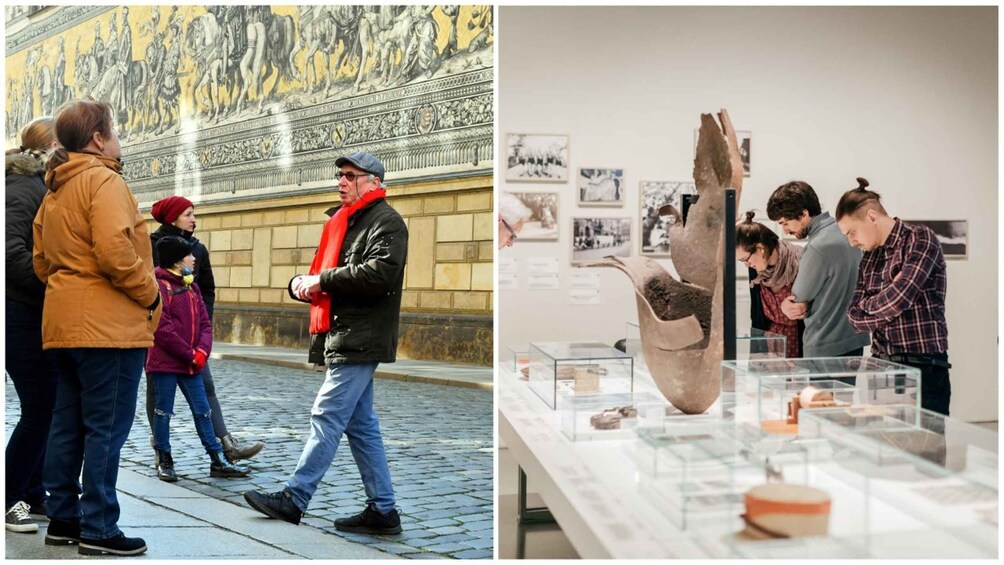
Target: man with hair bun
{"type": "Point", "coordinates": [900, 293]}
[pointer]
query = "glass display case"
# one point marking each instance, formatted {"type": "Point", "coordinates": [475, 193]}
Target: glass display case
{"type": "Point", "coordinates": [787, 509]}
{"type": "Point", "coordinates": [518, 358]}
{"type": "Point", "coordinates": [559, 370]}
{"type": "Point", "coordinates": [875, 380]}
{"type": "Point", "coordinates": [587, 417]}
{"type": "Point", "coordinates": [760, 344]}
{"type": "Point", "coordinates": [782, 401]}
{"type": "Point", "coordinates": [934, 479]}
{"type": "Point", "coordinates": [632, 345]}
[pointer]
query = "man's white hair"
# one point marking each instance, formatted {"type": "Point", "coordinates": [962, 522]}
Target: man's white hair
{"type": "Point", "coordinates": [512, 209]}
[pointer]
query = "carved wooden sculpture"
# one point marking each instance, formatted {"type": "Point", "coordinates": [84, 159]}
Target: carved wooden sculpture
{"type": "Point", "coordinates": [681, 322]}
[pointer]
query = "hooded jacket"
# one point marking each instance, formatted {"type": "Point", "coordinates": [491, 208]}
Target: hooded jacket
{"type": "Point", "coordinates": [183, 328]}
{"type": "Point", "coordinates": [203, 270]}
{"type": "Point", "coordinates": [24, 188]}
{"type": "Point", "coordinates": [92, 250]}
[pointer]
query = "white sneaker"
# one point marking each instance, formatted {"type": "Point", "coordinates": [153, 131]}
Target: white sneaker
{"type": "Point", "coordinates": [18, 520]}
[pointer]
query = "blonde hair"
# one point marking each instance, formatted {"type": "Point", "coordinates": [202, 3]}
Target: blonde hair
{"type": "Point", "coordinates": [38, 135]}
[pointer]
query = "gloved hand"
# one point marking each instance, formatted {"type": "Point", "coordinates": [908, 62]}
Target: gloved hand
{"type": "Point", "coordinates": [200, 359]}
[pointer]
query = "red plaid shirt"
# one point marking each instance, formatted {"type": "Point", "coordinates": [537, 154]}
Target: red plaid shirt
{"type": "Point", "coordinates": [900, 296]}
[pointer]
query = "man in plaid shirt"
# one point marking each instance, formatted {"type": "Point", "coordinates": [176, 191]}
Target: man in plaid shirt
{"type": "Point", "coordinates": [900, 294]}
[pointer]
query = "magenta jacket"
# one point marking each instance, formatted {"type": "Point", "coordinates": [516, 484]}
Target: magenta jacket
{"type": "Point", "coordinates": [184, 327]}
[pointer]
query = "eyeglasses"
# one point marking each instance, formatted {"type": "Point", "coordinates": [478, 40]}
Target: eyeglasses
{"type": "Point", "coordinates": [351, 176]}
{"type": "Point", "coordinates": [512, 235]}
{"type": "Point", "coordinates": [746, 261]}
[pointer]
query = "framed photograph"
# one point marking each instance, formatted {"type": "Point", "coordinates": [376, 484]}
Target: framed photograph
{"type": "Point", "coordinates": [654, 195]}
{"type": "Point", "coordinates": [543, 222]}
{"type": "Point", "coordinates": [601, 187]}
{"type": "Point", "coordinates": [532, 157]}
{"type": "Point", "coordinates": [596, 238]}
{"type": "Point", "coordinates": [744, 138]}
{"type": "Point", "coordinates": [952, 234]}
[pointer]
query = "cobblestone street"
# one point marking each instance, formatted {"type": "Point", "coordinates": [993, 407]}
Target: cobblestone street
{"type": "Point", "coordinates": [439, 444]}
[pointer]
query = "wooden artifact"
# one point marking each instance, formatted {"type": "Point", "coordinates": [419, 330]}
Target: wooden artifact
{"type": "Point", "coordinates": [780, 510]}
{"type": "Point", "coordinates": [681, 322]}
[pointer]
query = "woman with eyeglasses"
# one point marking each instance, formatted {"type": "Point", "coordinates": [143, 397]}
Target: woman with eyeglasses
{"type": "Point", "coordinates": [773, 265]}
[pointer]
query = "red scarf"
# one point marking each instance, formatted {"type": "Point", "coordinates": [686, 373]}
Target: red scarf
{"type": "Point", "coordinates": [328, 253]}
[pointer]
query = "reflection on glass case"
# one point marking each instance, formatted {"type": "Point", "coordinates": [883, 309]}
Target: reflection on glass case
{"type": "Point", "coordinates": [782, 401]}
{"type": "Point", "coordinates": [933, 478]}
{"type": "Point", "coordinates": [611, 416]}
{"type": "Point", "coordinates": [685, 467]}
{"type": "Point", "coordinates": [559, 370]}
{"type": "Point", "coordinates": [875, 379]}
{"type": "Point", "coordinates": [632, 344]}
{"type": "Point", "coordinates": [759, 344]}
{"type": "Point", "coordinates": [518, 358]}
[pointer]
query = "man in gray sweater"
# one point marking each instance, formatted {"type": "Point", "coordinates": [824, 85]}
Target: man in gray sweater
{"type": "Point", "coordinates": [827, 273]}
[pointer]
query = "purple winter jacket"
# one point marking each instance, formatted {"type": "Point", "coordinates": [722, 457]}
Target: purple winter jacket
{"type": "Point", "coordinates": [184, 327]}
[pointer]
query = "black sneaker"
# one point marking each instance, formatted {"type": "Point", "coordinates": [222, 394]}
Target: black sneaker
{"type": "Point", "coordinates": [278, 505]}
{"type": "Point", "coordinates": [60, 532]}
{"type": "Point", "coordinates": [118, 545]}
{"type": "Point", "coordinates": [18, 520]}
{"type": "Point", "coordinates": [370, 521]}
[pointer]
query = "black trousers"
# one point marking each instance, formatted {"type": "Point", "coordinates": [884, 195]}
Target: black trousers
{"type": "Point", "coordinates": [935, 385]}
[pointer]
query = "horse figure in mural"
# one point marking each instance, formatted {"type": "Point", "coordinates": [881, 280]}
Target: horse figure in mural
{"type": "Point", "coordinates": [204, 43]}
{"type": "Point", "coordinates": [318, 34]}
{"type": "Point", "coordinates": [278, 43]}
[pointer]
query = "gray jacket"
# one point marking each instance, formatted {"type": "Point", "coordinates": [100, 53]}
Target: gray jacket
{"type": "Point", "coordinates": [827, 275]}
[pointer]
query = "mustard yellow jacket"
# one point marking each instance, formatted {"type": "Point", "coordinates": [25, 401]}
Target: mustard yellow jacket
{"type": "Point", "coordinates": [92, 251]}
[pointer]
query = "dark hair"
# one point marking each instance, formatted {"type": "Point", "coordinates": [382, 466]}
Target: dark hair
{"type": "Point", "coordinates": [854, 199]}
{"type": "Point", "coordinates": [790, 199]}
{"type": "Point", "coordinates": [750, 233]}
{"type": "Point", "coordinates": [76, 122]}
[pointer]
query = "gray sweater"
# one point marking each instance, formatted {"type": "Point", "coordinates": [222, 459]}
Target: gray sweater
{"type": "Point", "coordinates": [827, 275]}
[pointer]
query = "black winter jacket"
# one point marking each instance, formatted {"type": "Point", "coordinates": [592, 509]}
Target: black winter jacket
{"type": "Point", "coordinates": [24, 185]}
{"type": "Point", "coordinates": [203, 270]}
{"type": "Point", "coordinates": [365, 289]}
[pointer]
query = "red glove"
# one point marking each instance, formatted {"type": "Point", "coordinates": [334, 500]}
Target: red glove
{"type": "Point", "coordinates": [200, 359]}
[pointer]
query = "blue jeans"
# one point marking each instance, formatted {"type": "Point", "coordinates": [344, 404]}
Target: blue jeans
{"type": "Point", "coordinates": [219, 426]}
{"type": "Point", "coordinates": [344, 405]}
{"type": "Point", "coordinates": [95, 406]}
{"type": "Point", "coordinates": [35, 382]}
{"type": "Point", "coordinates": [165, 385]}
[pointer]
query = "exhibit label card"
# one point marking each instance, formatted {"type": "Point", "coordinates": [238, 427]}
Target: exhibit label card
{"type": "Point", "coordinates": [584, 296]}
{"type": "Point", "coordinates": [542, 281]}
{"type": "Point", "coordinates": [542, 265]}
{"type": "Point", "coordinates": [508, 273]}
{"type": "Point", "coordinates": [585, 280]}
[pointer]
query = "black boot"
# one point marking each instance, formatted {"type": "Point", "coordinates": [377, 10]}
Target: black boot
{"type": "Point", "coordinates": [62, 533]}
{"type": "Point", "coordinates": [370, 521]}
{"type": "Point", "coordinates": [118, 545]}
{"type": "Point", "coordinates": [165, 467]}
{"type": "Point", "coordinates": [223, 467]}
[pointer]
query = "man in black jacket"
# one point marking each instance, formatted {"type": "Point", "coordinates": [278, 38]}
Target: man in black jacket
{"type": "Point", "coordinates": [354, 288]}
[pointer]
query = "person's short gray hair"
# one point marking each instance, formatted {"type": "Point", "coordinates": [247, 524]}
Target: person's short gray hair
{"type": "Point", "coordinates": [512, 209]}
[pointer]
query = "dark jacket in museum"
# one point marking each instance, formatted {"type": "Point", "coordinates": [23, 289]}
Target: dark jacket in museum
{"type": "Point", "coordinates": [25, 187]}
{"type": "Point", "coordinates": [365, 289]}
{"type": "Point", "coordinates": [203, 270]}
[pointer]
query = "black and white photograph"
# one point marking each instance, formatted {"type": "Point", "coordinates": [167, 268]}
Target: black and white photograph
{"type": "Point", "coordinates": [952, 234]}
{"type": "Point", "coordinates": [596, 238]}
{"type": "Point", "coordinates": [654, 229]}
{"type": "Point", "coordinates": [536, 157]}
{"type": "Point", "coordinates": [601, 187]}
{"type": "Point", "coordinates": [744, 138]}
{"type": "Point", "coordinates": [543, 222]}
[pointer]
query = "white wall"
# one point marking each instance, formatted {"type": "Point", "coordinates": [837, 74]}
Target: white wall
{"type": "Point", "coordinates": [906, 97]}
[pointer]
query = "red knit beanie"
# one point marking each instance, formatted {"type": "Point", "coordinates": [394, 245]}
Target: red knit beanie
{"type": "Point", "coordinates": [167, 210]}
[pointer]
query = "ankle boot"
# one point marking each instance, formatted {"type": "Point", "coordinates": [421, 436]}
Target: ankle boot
{"type": "Point", "coordinates": [236, 450]}
{"type": "Point", "coordinates": [221, 466]}
{"type": "Point", "coordinates": [165, 467]}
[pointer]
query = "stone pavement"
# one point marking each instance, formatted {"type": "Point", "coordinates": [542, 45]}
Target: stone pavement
{"type": "Point", "coordinates": [471, 376]}
{"type": "Point", "coordinates": [439, 443]}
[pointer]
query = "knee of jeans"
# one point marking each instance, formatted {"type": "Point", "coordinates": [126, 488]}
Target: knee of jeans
{"type": "Point", "coordinates": [162, 412]}
{"type": "Point", "coordinates": [205, 415]}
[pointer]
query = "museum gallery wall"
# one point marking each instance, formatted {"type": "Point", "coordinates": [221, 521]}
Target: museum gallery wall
{"type": "Point", "coordinates": [627, 110]}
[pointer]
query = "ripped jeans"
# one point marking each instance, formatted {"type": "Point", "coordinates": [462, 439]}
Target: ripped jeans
{"type": "Point", "coordinates": [194, 390]}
